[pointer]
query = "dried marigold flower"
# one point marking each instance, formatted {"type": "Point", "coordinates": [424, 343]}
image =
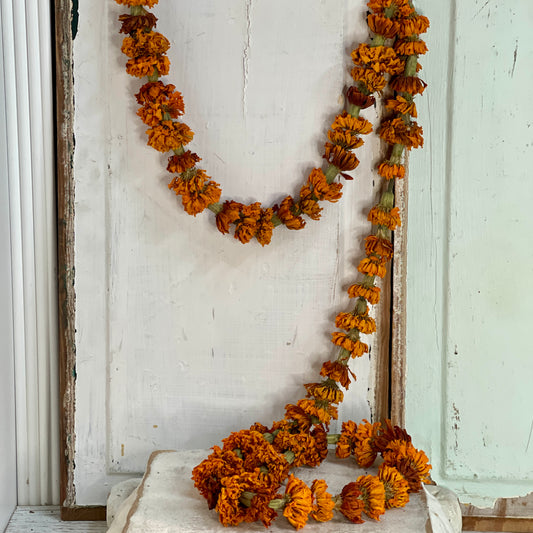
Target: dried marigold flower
{"type": "Point", "coordinates": [378, 58]}
{"type": "Point", "coordinates": [180, 163]}
{"type": "Point", "coordinates": [356, 348]}
{"type": "Point", "coordinates": [356, 97]}
{"type": "Point", "coordinates": [151, 114]}
{"type": "Point", "coordinates": [154, 92]}
{"type": "Point", "coordinates": [338, 372]}
{"type": "Point", "coordinates": [133, 23]}
{"type": "Point", "coordinates": [310, 208]}
{"type": "Point", "coordinates": [371, 80]}
{"type": "Point", "coordinates": [390, 170]}
{"type": "Point", "coordinates": [382, 25]}
{"type": "Point", "coordinates": [410, 47]}
{"type": "Point", "coordinates": [373, 495]}
{"type": "Point", "coordinates": [371, 294]}
{"type": "Point", "coordinates": [346, 444]}
{"type": "Point", "coordinates": [130, 3]}
{"type": "Point", "coordinates": [346, 122]}
{"type": "Point", "coordinates": [323, 502]}
{"type": "Point", "coordinates": [169, 135]}
{"type": "Point", "coordinates": [148, 66]}
{"type": "Point", "coordinates": [265, 226]}
{"type": "Point", "coordinates": [144, 44]}
{"type": "Point", "coordinates": [300, 417]}
{"type": "Point", "coordinates": [402, 105]}
{"type": "Point", "coordinates": [352, 504]}
{"type": "Point", "coordinates": [327, 390]}
{"type": "Point", "coordinates": [408, 84]}
{"type": "Point", "coordinates": [300, 502]}
{"type": "Point", "coordinates": [231, 211]}
{"type": "Point", "coordinates": [372, 266]}
{"type": "Point", "coordinates": [378, 246]}
{"type": "Point", "coordinates": [365, 451]}
{"type": "Point", "coordinates": [320, 188]}
{"type": "Point", "coordinates": [288, 212]}
{"type": "Point", "coordinates": [349, 321]}
{"type": "Point", "coordinates": [412, 26]}
{"type": "Point", "coordinates": [396, 488]}
{"type": "Point", "coordinates": [411, 463]}
{"type": "Point", "coordinates": [345, 139]}
{"type": "Point", "coordinates": [396, 131]}
{"type": "Point", "coordinates": [401, 8]}
{"type": "Point", "coordinates": [390, 219]}
{"type": "Point", "coordinates": [388, 433]}
{"type": "Point", "coordinates": [197, 192]}
{"type": "Point", "coordinates": [320, 411]}
{"type": "Point", "coordinates": [247, 224]}
{"type": "Point", "coordinates": [342, 159]}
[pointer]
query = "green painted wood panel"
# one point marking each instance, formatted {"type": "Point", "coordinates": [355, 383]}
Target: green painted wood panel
{"type": "Point", "coordinates": [469, 394]}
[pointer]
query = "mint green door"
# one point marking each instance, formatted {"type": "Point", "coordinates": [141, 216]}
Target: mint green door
{"type": "Point", "coordinates": [469, 391]}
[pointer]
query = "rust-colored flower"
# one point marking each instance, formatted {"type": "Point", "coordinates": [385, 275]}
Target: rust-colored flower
{"type": "Point", "coordinates": [151, 114]}
{"type": "Point", "coordinates": [351, 505]}
{"type": "Point", "coordinates": [289, 213]}
{"type": "Point", "coordinates": [354, 125]}
{"type": "Point", "coordinates": [310, 208]}
{"type": "Point", "coordinates": [396, 488]}
{"type": "Point", "coordinates": [346, 444]}
{"type": "Point", "coordinates": [148, 65]}
{"type": "Point", "coordinates": [319, 189]}
{"type": "Point", "coordinates": [410, 46]}
{"type": "Point", "coordinates": [338, 372]}
{"type": "Point", "coordinates": [390, 170]}
{"type": "Point", "coordinates": [382, 25]}
{"type": "Point", "coordinates": [130, 3]}
{"type": "Point", "coordinates": [355, 347]}
{"type": "Point", "coordinates": [345, 139]}
{"type": "Point", "coordinates": [412, 26]}
{"type": "Point", "coordinates": [380, 217]}
{"type": "Point", "coordinates": [400, 8]}
{"type": "Point", "coordinates": [371, 294]}
{"type": "Point", "coordinates": [133, 23]}
{"type": "Point", "coordinates": [323, 502]}
{"type": "Point", "coordinates": [299, 502]}
{"type": "Point", "coordinates": [402, 105]}
{"type": "Point", "coordinates": [265, 226]}
{"type": "Point", "coordinates": [356, 97]}
{"type": "Point", "coordinates": [169, 135]}
{"type": "Point", "coordinates": [327, 390]}
{"type": "Point", "coordinates": [389, 433]}
{"type": "Point", "coordinates": [373, 495]}
{"type": "Point", "coordinates": [247, 224]}
{"type": "Point", "coordinates": [408, 84]}
{"type": "Point", "coordinates": [378, 58]}
{"type": "Point", "coordinates": [320, 411]}
{"type": "Point", "coordinates": [361, 322]}
{"type": "Point", "coordinates": [372, 266]}
{"type": "Point", "coordinates": [197, 192]}
{"type": "Point", "coordinates": [150, 43]}
{"type": "Point", "coordinates": [365, 451]}
{"type": "Point", "coordinates": [231, 211]}
{"type": "Point", "coordinates": [155, 92]}
{"type": "Point", "coordinates": [397, 131]}
{"type": "Point", "coordinates": [411, 463]}
{"type": "Point", "coordinates": [181, 163]}
{"type": "Point", "coordinates": [379, 246]}
{"type": "Point", "coordinates": [301, 418]}
{"type": "Point", "coordinates": [339, 157]}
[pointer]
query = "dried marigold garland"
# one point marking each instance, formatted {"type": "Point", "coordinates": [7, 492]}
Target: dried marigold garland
{"type": "Point", "coordinates": [241, 480]}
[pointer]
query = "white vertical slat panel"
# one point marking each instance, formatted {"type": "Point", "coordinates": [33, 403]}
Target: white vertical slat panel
{"type": "Point", "coordinates": [27, 53]}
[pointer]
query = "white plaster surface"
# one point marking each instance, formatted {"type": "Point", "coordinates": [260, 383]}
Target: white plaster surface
{"type": "Point", "coordinates": [167, 502]}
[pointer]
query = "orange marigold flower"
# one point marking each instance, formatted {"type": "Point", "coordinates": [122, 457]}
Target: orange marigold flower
{"type": "Point", "coordinates": [297, 443]}
{"type": "Point", "coordinates": [346, 444]}
{"type": "Point", "coordinates": [352, 504]}
{"type": "Point", "coordinates": [231, 211]}
{"type": "Point", "coordinates": [300, 417]}
{"type": "Point", "coordinates": [402, 105]}
{"type": "Point", "coordinates": [155, 92]}
{"type": "Point", "coordinates": [396, 131]}
{"type": "Point", "coordinates": [148, 65]}
{"type": "Point", "coordinates": [365, 451]}
{"type": "Point", "coordinates": [411, 463]}
{"type": "Point", "coordinates": [320, 411]}
{"type": "Point", "coordinates": [144, 44]}
{"type": "Point", "coordinates": [348, 321]}
{"type": "Point", "coordinates": [300, 502]}
{"type": "Point", "coordinates": [320, 188]}
{"type": "Point", "coordinates": [169, 135]}
{"type": "Point", "coordinates": [396, 488]}
{"type": "Point", "coordinates": [310, 208]}
{"type": "Point", "coordinates": [288, 212]}
{"type": "Point", "coordinates": [410, 46]}
{"type": "Point", "coordinates": [338, 372]}
{"type": "Point", "coordinates": [372, 266]}
{"type": "Point", "coordinates": [345, 139]}
{"type": "Point", "coordinates": [378, 58]}
{"type": "Point", "coordinates": [183, 162]}
{"type": "Point", "coordinates": [356, 348]}
{"type": "Point", "coordinates": [151, 114]}
{"type": "Point", "coordinates": [388, 433]}
{"type": "Point", "coordinates": [265, 226]}
{"type": "Point", "coordinates": [390, 171]}
{"type": "Point", "coordinates": [246, 225]}
{"type": "Point", "coordinates": [323, 502]}
{"type": "Point", "coordinates": [373, 495]}
{"type": "Point", "coordinates": [378, 246]}
{"type": "Point", "coordinates": [340, 158]}
{"type": "Point", "coordinates": [402, 8]}
{"type": "Point", "coordinates": [371, 294]}
{"type": "Point", "coordinates": [356, 97]}
{"type": "Point", "coordinates": [412, 26]}
{"type": "Point", "coordinates": [133, 23]}
{"type": "Point", "coordinates": [373, 81]}
{"type": "Point", "coordinates": [355, 125]}
{"type": "Point", "coordinates": [197, 192]}
{"type": "Point", "coordinates": [382, 25]}
{"type": "Point", "coordinates": [328, 390]}
{"type": "Point", "coordinates": [408, 84]}
{"type": "Point", "coordinates": [379, 217]}
{"type": "Point", "coordinates": [129, 3]}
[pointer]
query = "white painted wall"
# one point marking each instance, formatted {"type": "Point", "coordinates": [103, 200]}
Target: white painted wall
{"type": "Point", "coordinates": [184, 335]}
{"type": "Point", "coordinates": [470, 260]}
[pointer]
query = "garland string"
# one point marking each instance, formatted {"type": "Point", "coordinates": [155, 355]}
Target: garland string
{"type": "Point", "coordinates": [241, 480]}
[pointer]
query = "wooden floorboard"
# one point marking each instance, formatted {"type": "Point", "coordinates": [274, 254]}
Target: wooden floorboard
{"type": "Point", "coordinates": [47, 520]}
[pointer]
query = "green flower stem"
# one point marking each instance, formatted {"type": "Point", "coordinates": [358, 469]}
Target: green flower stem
{"type": "Point", "coordinates": [290, 456]}
{"type": "Point", "coordinates": [353, 110]}
{"type": "Point", "coordinates": [276, 221]}
{"type": "Point", "coordinates": [331, 173]}
{"type": "Point", "coordinates": [166, 116]}
{"type": "Point", "coordinates": [180, 150]}
{"type": "Point", "coordinates": [361, 306]}
{"type": "Point", "coordinates": [154, 76]}
{"type": "Point", "coordinates": [137, 10]}
{"type": "Point", "coordinates": [410, 66]}
{"type": "Point", "coordinates": [396, 155]}
{"type": "Point", "coordinates": [215, 208]}
{"type": "Point", "coordinates": [246, 498]}
{"type": "Point", "coordinates": [277, 504]}
{"type": "Point", "coordinates": [333, 438]}
{"type": "Point", "coordinates": [377, 40]}
{"type": "Point", "coordinates": [344, 356]}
